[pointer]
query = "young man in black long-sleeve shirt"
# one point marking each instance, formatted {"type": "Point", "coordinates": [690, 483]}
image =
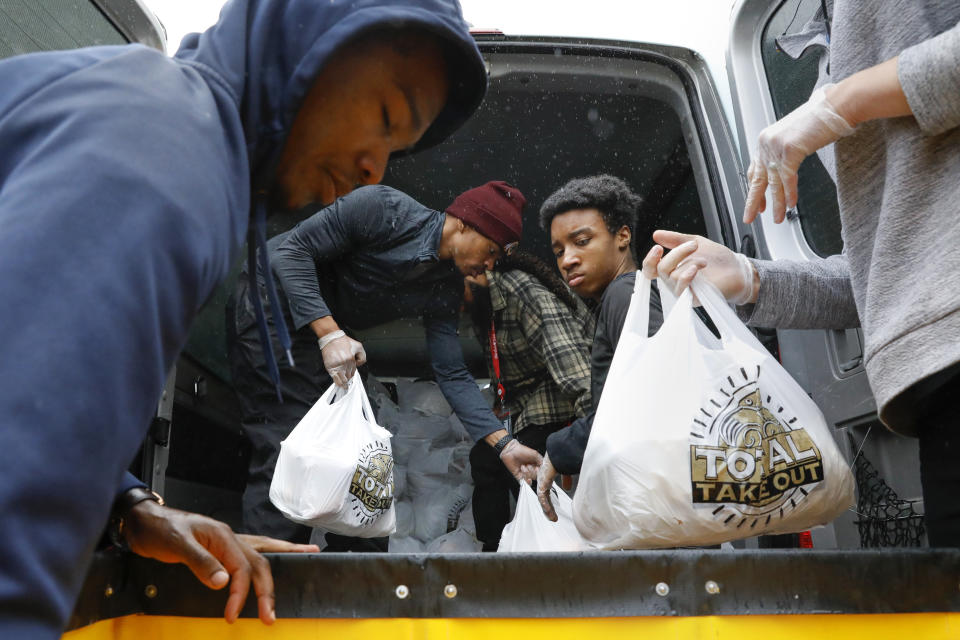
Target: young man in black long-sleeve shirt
{"type": "Point", "coordinates": [591, 222]}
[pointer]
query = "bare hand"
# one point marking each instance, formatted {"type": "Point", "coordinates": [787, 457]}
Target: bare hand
{"type": "Point", "coordinates": [208, 547]}
{"type": "Point", "coordinates": [545, 478]}
{"type": "Point", "coordinates": [263, 544]}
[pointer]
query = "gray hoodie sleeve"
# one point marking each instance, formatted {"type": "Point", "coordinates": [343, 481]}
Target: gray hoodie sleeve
{"type": "Point", "coordinates": [803, 295]}
{"type": "Point", "coordinates": [323, 237]}
{"type": "Point", "coordinates": [930, 76]}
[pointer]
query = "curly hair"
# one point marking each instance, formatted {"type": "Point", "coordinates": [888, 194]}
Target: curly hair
{"type": "Point", "coordinates": [548, 277]}
{"type": "Point", "coordinates": [611, 196]}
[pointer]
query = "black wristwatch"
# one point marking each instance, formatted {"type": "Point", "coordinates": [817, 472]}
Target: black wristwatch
{"type": "Point", "coordinates": [502, 442]}
{"type": "Point", "coordinates": [122, 506]}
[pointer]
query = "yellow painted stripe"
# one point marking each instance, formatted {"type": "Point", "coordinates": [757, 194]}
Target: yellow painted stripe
{"type": "Point", "coordinates": [928, 626]}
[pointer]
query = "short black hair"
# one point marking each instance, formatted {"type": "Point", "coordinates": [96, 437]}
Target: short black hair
{"type": "Point", "coordinates": [612, 197]}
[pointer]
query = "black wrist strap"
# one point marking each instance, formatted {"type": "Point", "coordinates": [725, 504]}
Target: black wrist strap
{"type": "Point", "coordinates": [132, 497]}
{"type": "Point", "coordinates": [122, 506]}
{"type": "Point", "coordinates": [502, 442]}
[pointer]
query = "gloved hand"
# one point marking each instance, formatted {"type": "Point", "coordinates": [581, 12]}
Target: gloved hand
{"type": "Point", "coordinates": [781, 148]}
{"type": "Point", "coordinates": [731, 273]}
{"type": "Point", "coordinates": [545, 478]}
{"type": "Point", "coordinates": [341, 356]}
{"type": "Point", "coordinates": [521, 461]}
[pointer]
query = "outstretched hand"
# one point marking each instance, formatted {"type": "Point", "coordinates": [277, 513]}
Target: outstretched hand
{"type": "Point", "coordinates": [729, 272]}
{"type": "Point", "coordinates": [211, 550]}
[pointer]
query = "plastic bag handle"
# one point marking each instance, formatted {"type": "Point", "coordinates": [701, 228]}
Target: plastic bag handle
{"type": "Point", "coordinates": [637, 319]}
{"type": "Point", "coordinates": [724, 318]}
{"type": "Point", "coordinates": [667, 297]}
{"type": "Point", "coordinates": [638, 314]}
{"type": "Point", "coordinates": [355, 385]}
{"type": "Point", "coordinates": [366, 399]}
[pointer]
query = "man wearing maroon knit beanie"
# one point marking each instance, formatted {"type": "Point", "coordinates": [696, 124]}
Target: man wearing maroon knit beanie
{"type": "Point", "coordinates": [494, 211]}
{"type": "Point", "coordinates": [374, 256]}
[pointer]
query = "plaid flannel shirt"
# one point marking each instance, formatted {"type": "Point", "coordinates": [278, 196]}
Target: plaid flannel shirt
{"type": "Point", "coordinates": [544, 349]}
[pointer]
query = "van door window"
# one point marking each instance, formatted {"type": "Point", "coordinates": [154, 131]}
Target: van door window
{"type": "Point", "coordinates": [791, 82]}
{"type": "Point", "coordinates": [27, 26]}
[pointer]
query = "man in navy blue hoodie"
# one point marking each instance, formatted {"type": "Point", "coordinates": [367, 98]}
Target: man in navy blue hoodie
{"type": "Point", "coordinates": [127, 181]}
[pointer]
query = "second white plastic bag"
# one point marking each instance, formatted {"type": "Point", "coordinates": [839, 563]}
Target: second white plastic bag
{"type": "Point", "coordinates": [335, 469]}
{"type": "Point", "coordinates": [530, 530]}
{"type": "Point", "coordinates": [700, 440]}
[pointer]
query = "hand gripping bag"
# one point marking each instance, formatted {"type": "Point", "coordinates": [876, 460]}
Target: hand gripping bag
{"type": "Point", "coordinates": [530, 530]}
{"type": "Point", "coordinates": [335, 469]}
{"type": "Point", "coordinates": [699, 440]}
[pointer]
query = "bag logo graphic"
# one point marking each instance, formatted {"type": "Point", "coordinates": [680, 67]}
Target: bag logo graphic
{"type": "Point", "coordinates": [749, 457]}
{"type": "Point", "coordinates": [453, 515]}
{"type": "Point", "coordinates": [372, 483]}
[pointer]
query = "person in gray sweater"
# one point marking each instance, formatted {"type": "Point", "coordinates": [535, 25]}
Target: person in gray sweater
{"type": "Point", "coordinates": [893, 115]}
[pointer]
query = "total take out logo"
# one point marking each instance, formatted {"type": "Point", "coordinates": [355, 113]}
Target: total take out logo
{"type": "Point", "coordinates": [749, 456]}
{"type": "Point", "coordinates": [372, 483]}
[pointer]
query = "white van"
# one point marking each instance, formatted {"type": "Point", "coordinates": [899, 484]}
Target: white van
{"type": "Point", "coordinates": [676, 122]}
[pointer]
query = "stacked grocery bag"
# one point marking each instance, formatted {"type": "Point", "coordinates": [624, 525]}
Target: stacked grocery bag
{"type": "Point", "coordinates": [432, 483]}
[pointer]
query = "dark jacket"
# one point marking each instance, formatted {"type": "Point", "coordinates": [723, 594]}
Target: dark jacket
{"type": "Point", "coordinates": [125, 182]}
{"type": "Point", "coordinates": [369, 258]}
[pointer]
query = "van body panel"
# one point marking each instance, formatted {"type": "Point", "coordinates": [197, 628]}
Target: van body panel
{"type": "Point", "coordinates": [664, 584]}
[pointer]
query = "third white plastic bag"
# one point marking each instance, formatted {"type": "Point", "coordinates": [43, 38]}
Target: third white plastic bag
{"type": "Point", "coordinates": [335, 469]}
{"type": "Point", "coordinates": [530, 530]}
{"type": "Point", "coordinates": [699, 440]}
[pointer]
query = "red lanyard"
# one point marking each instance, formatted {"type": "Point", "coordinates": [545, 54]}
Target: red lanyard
{"type": "Point", "coordinates": [495, 356]}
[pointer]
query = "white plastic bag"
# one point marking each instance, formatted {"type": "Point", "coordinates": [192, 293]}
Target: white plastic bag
{"type": "Point", "coordinates": [437, 512]}
{"type": "Point", "coordinates": [404, 545]}
{"type": "Point", "coordinates": [530, 530]}
{"type": "Point", "coordinates": [699, 440]}
{"type": "Point", "coordinates": [457, 541]}
{"type": "Point", "coordinates": [423, 396]}
{"type": "Point", "coordinates": [335, 469]}
{"type": "Point", "coordinates": [405, 519]}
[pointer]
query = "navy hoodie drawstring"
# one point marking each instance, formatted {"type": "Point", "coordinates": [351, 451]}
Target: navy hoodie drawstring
{"type": "Point", "coordinates": [257, 240]}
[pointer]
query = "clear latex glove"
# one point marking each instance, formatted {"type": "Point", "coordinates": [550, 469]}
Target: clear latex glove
{"type": "Point", "coordinates": [732, 273]}
{"type": "Point", "coordinates": [781, 148]}
{"type": "Point", "coordinates": [522, 462]}
{"type": "Point", "coordinates": [545, 478]}
{"type": "Point", "coordinates": [341, 357]}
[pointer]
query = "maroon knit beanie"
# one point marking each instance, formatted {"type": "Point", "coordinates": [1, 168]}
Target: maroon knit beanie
{"type": "Point", "coordinates": [493, 209]}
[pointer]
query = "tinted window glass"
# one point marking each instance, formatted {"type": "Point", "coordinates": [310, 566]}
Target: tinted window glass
{"type": "Point", "coordinates": [791, 82]}
{"type": "Point", "coordinates": [28, 25]}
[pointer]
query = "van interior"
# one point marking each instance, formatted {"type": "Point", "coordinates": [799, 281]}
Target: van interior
{"type": "Point", "coordinates": [551, 114]}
